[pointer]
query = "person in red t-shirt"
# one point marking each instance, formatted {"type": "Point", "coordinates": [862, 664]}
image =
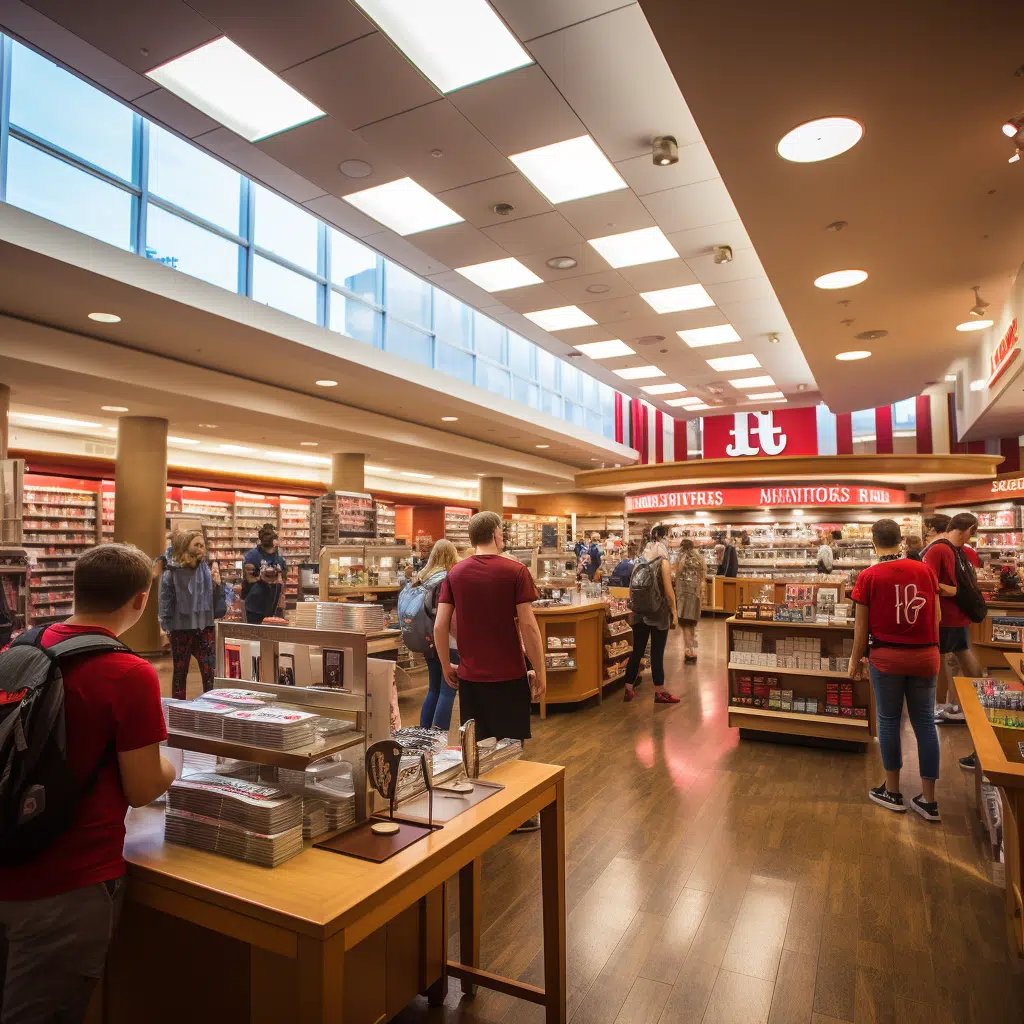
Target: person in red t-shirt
{"type": "Point", "coordinates": [954, 629]}
{"type": "Point", "coordinates": [898, 623]}
{"type": "Point", "coordinates": [59, 910]}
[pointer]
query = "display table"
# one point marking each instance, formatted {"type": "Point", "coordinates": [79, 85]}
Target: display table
{"type": "Point", "coordinates": [727, 593]}
{"type": "Point", "coordinates": [988, 651]}
{"type": "Point", "coordinates": [579, 629]}
{"type": "Point", "coordinates": [323, 938]}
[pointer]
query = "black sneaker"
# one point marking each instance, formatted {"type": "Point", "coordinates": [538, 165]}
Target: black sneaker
{"type": "Point", "coordinates": [969, 763]}
{"type": "Point", "coordinates": [890, 801]}
{"type": "Point", "coordinates": [530, 825]}
{"type": "Point", "coordinates": [927, 811]}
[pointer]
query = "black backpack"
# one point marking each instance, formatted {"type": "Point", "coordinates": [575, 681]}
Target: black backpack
{"type": "Point", "coordinates": [969, 598]}
{"type": "Point", "coordinates": [38, 793]}
{"type": "Point", "coordinates": [646, 594]}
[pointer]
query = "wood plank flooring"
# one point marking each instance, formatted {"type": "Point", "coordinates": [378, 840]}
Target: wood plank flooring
{"type": "Point", "coordinates": [714, 881]}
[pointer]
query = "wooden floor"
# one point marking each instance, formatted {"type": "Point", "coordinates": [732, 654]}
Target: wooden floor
{"type": "Point", "coordinates": [714, 881]}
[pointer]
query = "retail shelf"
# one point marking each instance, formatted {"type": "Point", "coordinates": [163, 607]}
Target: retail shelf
{"type": "Point", "coordinates": [563, 647]}
{"type": "Point", "coordinates": [297, 759]}
{"type": "Point", "coordinates": [772, 670]}
{"type": "Point", "coordinates": [560, 668]}
{"type": "Point", "coordinates": [796, 716]}
{"type": "Point", "coordinates": [53, 515]}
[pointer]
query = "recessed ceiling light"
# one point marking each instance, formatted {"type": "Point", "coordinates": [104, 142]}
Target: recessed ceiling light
{"type": "Point", "coordinates": [686, 405]}
{"type": "Point", "coordinates": [745, 383]}
{"type": "Point", "coordinates": [182, 440]}
{"type": "Point", "coordinates": [820, 139]}
{"type": "Point", "coordinates": [639, 372]}
{"type": "Point", "coordinates": [237, 449]}
{"type": "Point", "coordinates": [699, 337]}
{"type": "Point", "coordinates": [766, 396]}
{"type": "Point", "coordinates": [725, 363]}
{"type": "Point", "coordinates": [841, 279]}
{"type": "Point", "coordinates": [974, 325]}
{"type": "Point", "coordinates": [453, 42]}
{"type": "Point", "coordinates": [449, 419]}
{"type": "Point", "coordinates": [417, 476]}
{"type": "Point", "coordinates": [598, 289]}
{"type": "Point", "coordinates": [223, 81]}
{"type": "Point", "coordinates": [631, 248]}
{"type": "Point", "coordinates": [404, 206]}
{"type": "Point", "coordinates": [662, 389]}
{"type": "Point", "coordinates": [323, 384]}
{"type": "Point", "coordinates": [950, 378]}
{"type": "Point", "coordinates": [569, 170]}
{"type": "Point", "coordinates": [498, 275]}
{"type": "Point", "coordinates": [114, 408]}
{"type": "Point", "coordinates": [105, 318]}
{"type": "Point", "coordinates": [542, 446]}
{"type": "Point", "coordinates": [606, 349]}
{"type": "Point", "coordinates": [673, 300]}
{"type": "Point", "coordinates": [310, 444]}
{"type": "Point", "coordinates": [801, 387]}
{"type": "Point", "coordinates": [978, 385]}
{"type": "Point", "coordinates": [853, 354]}
{"type": "Point", "coordinates": [52, 421]}
{"type": "Point", "coordinates": [355, 168]}
{"type": "Point", "coordinates": [207, 426]}
{"type": "Point", "coordinates": [561, 262]}
{"type": "Point", "coordinates": [560, 318]}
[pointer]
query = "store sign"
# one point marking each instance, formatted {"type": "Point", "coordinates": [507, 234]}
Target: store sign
{"type": "Point", "coordinates": [1010, 485]}
{"type": "Point", "coordinates": [766, 497]}
{"type": "Point", "coordinates": [769, 433]}
{"type": "Point", "coordinates": [1006, 352]}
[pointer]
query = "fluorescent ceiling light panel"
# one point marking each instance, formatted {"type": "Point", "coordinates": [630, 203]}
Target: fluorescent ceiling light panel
{"type": "Point", "coordinates": [417, 476]}
{"type": "Point", "coordinates": [560, 318]}
{"type": "Point", "coordinates": [688, 406]}
{"type": "Point", "coordinates": [568, 170]}
{"type": "Point", "coordinates": [753, 382]}
{"type": "Point", "coordinates": [238, 449]}
{"type": "Point", "coordinates": [648, 245]}
{"type": "Point", "coordinates": [662, 389]}
{"type": "Point", "coordinates": [53, 421]}
{"type": "Point", "coordinates": [688, 400]}
{"type": "Point", "coordinates": [700, 337]}
{"type": "Point", "coordinates": [403, 206]}
{"type": "Point", "coordinates": [183, 440]}
{"type": "Point", "coordinates": [639, 372]}
{"type": "Point", "coordinates": [766, 396]}
{"type": "Point", "coordinates": [499, 275]}
{"type": "Point", "coordinates": [726, 363]}
{"type": "Point", "coordinates": [606, 349]}
{"type": "Point", "coordinates": [674, 300]}
{"type": "Point", "coordinates": [453, 42]}
{"type": "Point", "coordinates": [222, 80]}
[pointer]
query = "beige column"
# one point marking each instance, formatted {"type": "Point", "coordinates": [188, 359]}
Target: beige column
{"type": "Point", "coordinates": [5, 408]}
{"type": "Point", "coordinates": [347, 472]}
{"type": "Point", "coordinates": [140, 509]}
{"type": "Point", "coordinates": [492, 494]}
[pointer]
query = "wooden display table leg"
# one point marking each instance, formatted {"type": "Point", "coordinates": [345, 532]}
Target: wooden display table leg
{"type": "Point", "coordinates": [320, 975]}
{"type": "Point", "coordinates": [469, 919]}
{"type": "Point", "coordinates": [438, 991]}
{"type": "Point", "coordinates": [552, 867]}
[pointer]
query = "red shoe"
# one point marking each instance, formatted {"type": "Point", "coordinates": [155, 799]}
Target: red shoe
{"type": "Point", "coordinates": [664, 697]}
{"type": "Point", "coordinates": [629, 693]}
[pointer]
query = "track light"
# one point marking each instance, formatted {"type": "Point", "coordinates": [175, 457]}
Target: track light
{"type": "Point", "coordinates": [664, 150]}
{"type": "Point", "coordinates": [723, 254]}
{"type": "Point", "coordinates": [1013, 159]}
{"type": "Point", "coordinates": [980, 305]}
{"type": "Point", "coordinates": [1013, 126]}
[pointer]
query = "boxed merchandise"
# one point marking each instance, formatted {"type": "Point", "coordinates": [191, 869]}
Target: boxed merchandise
{"type": "Point", "coordinates": [800, 705]}
{"type": "Point", "coordinates": [831, 709]}
{"type": "Point", "coordinates": [860, 712]}
{"type": "Point", "coordinates": [812, 705]}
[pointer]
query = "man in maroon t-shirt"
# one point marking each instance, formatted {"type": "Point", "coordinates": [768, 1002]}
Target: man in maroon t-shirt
{"type": "Point", "coordinates": [954, 629]}
{"type": "Point", "coordinates": [59, 910]}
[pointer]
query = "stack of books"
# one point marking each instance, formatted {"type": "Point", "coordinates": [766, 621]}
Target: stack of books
{"type": "Point", "coordinates": [276, 728]}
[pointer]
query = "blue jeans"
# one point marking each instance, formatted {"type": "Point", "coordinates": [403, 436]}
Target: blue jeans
{"type": "Point", "coordinates": [919, 692]}
{"type": "Point", "coordinates": [437, 705]}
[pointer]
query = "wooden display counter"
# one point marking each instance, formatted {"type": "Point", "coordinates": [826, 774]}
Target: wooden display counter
{"type": "Point", "coordinates": [582, 626]}
{"type": "Point", "coordinates": [324, 938]}
{"type": "Point", "coordinates": [727, 593]}
{"type": "Point", "coordinates": [988, 651]}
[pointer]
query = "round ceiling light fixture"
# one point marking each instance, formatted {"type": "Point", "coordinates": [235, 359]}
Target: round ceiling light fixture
{"type": "Point", "coordinates": [105, 318]}
{"type": "Point", "coordinates": [871, 335]}
{"type": "Point", "coordinates": [801, 387]}
{"type": "Point", "coordinates": [649, 339]}
{"type": "Point", "coordinates": [503, 209]}
{"type": "Point", "coordinates": [114, 408]}
{"type": "Point", "coordinates": [773, 338]}
{"type": "Point", "coordinates": [355, 168]}
{"type": "Point", "coordinates": [841, 279]}
{"type": "Point", "coordinates": [820, 139]}
{"type": "Point", "coordinates": [542, 446]}
{"type": "Point", "coordinates": [974, 325]}
{"type": "Point", "coordinates": [449, 419]}
{"type": "Point", "coordinates": [207, 426]}
{"type": "Point", "coordinates": [326, 383]}
{"type": "Point", "coordinates": [849, 357]}
{"type": "Point", "coordinates": [598, 289]}
{"type": "Point", "coordinates": [561, 262]}
{"type": "Point", "coordinates": [310, 444]}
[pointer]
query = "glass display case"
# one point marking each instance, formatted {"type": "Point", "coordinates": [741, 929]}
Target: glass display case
{"type": "Point", "coordinates": [342, 570]}
{"type": "Point", "coordinates": [385, 564]}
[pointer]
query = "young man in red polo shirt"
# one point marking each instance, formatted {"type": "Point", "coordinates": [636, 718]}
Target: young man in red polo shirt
{"type": "Point", "coordinates": [954, 629]}
{"type": "Point", "coordinates": [898, 622]}
{"type": "Point", "coordinates": [59, 910]}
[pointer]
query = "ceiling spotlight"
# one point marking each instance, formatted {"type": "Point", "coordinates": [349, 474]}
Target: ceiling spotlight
{"type": "Point", "coordinates": [974, 325]}
{"type": "Point", "coordinates": [1013, 126]}
{"type": "Point", "coordinates": [449, 419]}
{"type": "Point", "coordinates": [801, 387]}
{"type": "Point", "coordinates": [848, 357]}
{"type": "Point", "coordinates": [561, 263]}
{"type": "Point", "coordinates": [503, 209]}
{"type": "Point", "coordinates": [723, 254]}
{"type": "Point", "coordinates": [114, 408]}
{"type": "Point", "coordinates": [773, 338]}
{"type": "Point", "coordinates": [1015, 158]}
{"type": "Point", "coordinates": [326, 383]}
{"type": "Point", "coordinates": [105, 318]}
{"type": "Point", "coordinates": [980, 305]}
{"type": "Point", "coordinates": [664, 150]}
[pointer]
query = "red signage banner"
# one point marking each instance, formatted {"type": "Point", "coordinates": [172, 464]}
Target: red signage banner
{"type": "Point", "coordinates": [1005, 353]}
{"type": "Point", "coordinates": [768, 497]}
{"type": "Point", "coordinates": [766, 433]}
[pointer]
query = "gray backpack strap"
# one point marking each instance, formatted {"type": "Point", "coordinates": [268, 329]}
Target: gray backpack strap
{"type": "Point", "coordinates": [86, 643]}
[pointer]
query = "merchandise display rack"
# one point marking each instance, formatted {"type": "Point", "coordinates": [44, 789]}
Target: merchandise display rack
{"type": "Point", "coordinates": [385, 513]}
{"type": "Point", "coordinates": [456, 525]}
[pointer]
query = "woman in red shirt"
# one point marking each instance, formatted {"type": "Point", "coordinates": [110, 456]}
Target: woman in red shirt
{"type": "Point", "coordinates": [898, 625]}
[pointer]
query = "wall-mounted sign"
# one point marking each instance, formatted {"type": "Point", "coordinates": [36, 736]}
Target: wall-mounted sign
{"type": "Point", "coordinates": [796, 496]}
{"type": "Point", "coordinates": [1005, 353]}
{"type": "Point", "coordinates": [769, 433]}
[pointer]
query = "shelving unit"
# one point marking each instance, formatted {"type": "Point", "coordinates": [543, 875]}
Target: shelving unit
{"type": "Point", "coordinates": [456, 525]}
{"type": "Point", "coordinates": [385, 521]}
{"type": "Point", "coordinates": [581, 626]}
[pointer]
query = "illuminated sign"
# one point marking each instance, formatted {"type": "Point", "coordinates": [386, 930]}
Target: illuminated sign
{"type": "Point", "coordinates": [1005, 352]}
{"type": "Point", "coordinates": [765, 497]}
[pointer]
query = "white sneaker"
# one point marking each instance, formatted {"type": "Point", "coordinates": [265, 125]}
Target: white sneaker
{"type": "Point", "coordinates": [953, 713]}
{"type": "Point", "coordinates": [940, 713]}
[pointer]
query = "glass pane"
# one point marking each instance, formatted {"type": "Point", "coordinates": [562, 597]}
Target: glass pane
{"type": "Point", "coordinates": [608, 424]}
{"type": "Point", "coordinates": [591, 392]}
{"type": "Point", "coordinates": [406, 341]}
{"type": "Point", "coordinates": [353, 266]}
{"type": "Point", "coordinates": [550, 402]}
{"type": "Point", "coordinates": [525, 392]}
{"type": "Point", "coordinates": [354, 319]}
{"type": "Point", "coordinates": [451, 320]}
{"type": "Point", "coordinates": [489, 336]}
{"type": "Point", "coordinates": [193, 250]}
{"type": "Point", "coordinates": [405, 295]}
{"type": "Point", "coordinates": [55, 105]}
{"type": "Point", "coordinates": [607, 399]}
{"type": "Point", "coordinates": [547, 369]}
{"type": "Point", "coordinates": [59, 192]}
{"type": "Point", "coordinates": [494, 378]}
{"type": "Point", "coordinates": [573, 413]}
{"type": "Point", "coordinates": [455, 362]}
{"type": "Point", "coordinates": [193, 180]}
{"type": "Point", "coordinates": [593, 421]}
{"type": "Point", "coordinates": [277, 286]}
{"type": "Point", "coordinates": [904, 414]}
{"type": "Point", "coordinates": [284, 229]}
{"type": "Point", "coordinates": [521, 358]}
{"type": "Point", "coordinates": [571, 383]}
{"type": "Point", "coordinates": [863, 422]}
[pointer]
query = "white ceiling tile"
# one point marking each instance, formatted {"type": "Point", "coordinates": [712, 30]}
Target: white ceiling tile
{"type": "Point", "coordinates": [175, 113]}
{"type": "Point", "coordinates": [410, 138]}
{"type": "Point", "coordinates": [141, 34]}
{"type": "Point", "coordinates": [280, 35]}
{"type": "Point", "coordinates": [746, 290]}
{"type": "Point", "coordinates": [402, 251]}
{"type": "Point", "coordinates": [744, 264]}
{"type": "Point", "coordinates": [462, 288]}
{"type": "Point", "coordinates": [343, 215]}
{"type": "Point", "coordinates": [589, 63]}
{"type": "Point", "coordinates": [253, 161]}
{"type": "Point", "coordinates": [691, 206]}
{"type": "Point", "coordinates": [592, 332]}
{"type": "Point", "coordinates": [530, 18]}
{"type": "Point", "coordinates": [587, 262]}
{"type": "Point", "coordinates": [476, 202]}
{"type": "Point", "coordinates": [693, 242]}
{"type": "Point", "coordinates": [519, 111]}
{"type": "Point", "coordinates": [339, 82]}
{"type": "Point", "coordinates": [575, 288]}
{"type": "Point", "coordinates": [531, 234]}
{"type": "Point", "coordinates": [532, 297]}
{"type": "Point", "coordinates": [614, 311]}
{"type": "Point", "coordinates": [644, 176]}
{"type": "Point", "coordinates": [608, 214]}
{"type": "Point", "coordinates": [650, 277]}
{"type": "Point", "coordinates": [459, 245]}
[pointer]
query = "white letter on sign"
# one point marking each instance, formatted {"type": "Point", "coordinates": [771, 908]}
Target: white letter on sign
{"type": "Point", "coordinates": [772, 439]}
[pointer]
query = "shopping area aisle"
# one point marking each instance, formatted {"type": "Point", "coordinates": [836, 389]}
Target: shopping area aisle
{"type": "Point", "coordinates": [714, 881]}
